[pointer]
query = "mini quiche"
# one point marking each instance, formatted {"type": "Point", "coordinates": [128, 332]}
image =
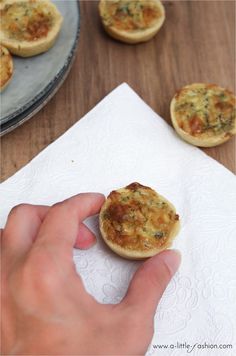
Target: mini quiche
{"type": "Point", "coordinates": [6, 67]}
{"type": "Point", "coordinates": [204, 114]}
{"type": "Point", "coordinates": [136, 222]}
{"type": "Point", "coordinates": [29, 27]}
{"type": "Point", "coordinates": [132, 21]}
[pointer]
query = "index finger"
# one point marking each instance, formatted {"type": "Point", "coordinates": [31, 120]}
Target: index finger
{"type": "Point", "coordinates": [60, 228]}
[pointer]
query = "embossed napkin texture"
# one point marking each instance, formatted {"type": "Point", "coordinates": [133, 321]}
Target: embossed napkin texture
{"type": "Point", "coordinates": [121, 141]}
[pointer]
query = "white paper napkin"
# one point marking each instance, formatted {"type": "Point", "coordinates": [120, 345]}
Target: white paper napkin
{"type": "Point", "coordinates": [121, 141]}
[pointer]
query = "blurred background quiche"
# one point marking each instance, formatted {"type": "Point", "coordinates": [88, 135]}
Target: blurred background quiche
{"type": "Point", "coordinates": [132, 21]}
{"type": "Point", "coordinates": [136, 222]}
{"type": "Point", "coordinates": [29, 27]}
{"type": "Point", "coordinates": [6, 67]}
{"type": "Point", "coordinates": [204, 114]}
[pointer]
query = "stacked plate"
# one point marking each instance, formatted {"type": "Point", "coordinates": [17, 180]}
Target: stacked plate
{"type": "Point", "coordinates": [37, 79]}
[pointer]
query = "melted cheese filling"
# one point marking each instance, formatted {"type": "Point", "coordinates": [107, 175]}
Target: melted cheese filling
{"type": "Point", "coordinates": [5, 66]}
{"type": "Point", "coordinates": [137, 218]}
{"type": "Point", "coordinates": [205, 109]}
{"type": "Point", "coordinates": [26, 21]}
{"type": "Point", "coordinates": [131, 15]}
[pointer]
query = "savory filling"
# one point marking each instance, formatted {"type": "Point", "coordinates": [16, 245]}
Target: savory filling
{"type": "Point", "coordinates": [137, 218]}
{"type": "Point", "coordinates": [5, 66]}
{"type": "Point", "coordinates": [131, 15]}
{"type": "Point", "coordinates": [205, 109]}
{"type": "Point", "coordinates": [26, 21]}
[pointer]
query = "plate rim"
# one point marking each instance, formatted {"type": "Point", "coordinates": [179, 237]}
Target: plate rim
{"type": "Point", "coordinates": [19, 120]}
{"type": "Point", "coordinates": [51, 85]}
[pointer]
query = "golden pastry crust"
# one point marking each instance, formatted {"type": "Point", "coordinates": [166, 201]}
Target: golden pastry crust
{"type": "Point", "coordinates": [6, 68]}
{"type": "Point", "coordinates": [136, 222]}
{"type": "Point", "coordinates": [132, 21]}
{"type": "Point", "coordinates": [29, 27]}
{"type": "Point", "coordinates": [204, 114]}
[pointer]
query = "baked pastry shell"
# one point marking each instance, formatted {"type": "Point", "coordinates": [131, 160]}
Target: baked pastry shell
{"type": "Point", "coordinates": [203, 141]}
{"type": "Point", "coordinates": [133, 37]}
{"type": "Point", "coordinates": [11, 69]}
{"type": "Point", "coordinates": [32, 48]}
{"type": "Point", "coordinates": [133, 254]}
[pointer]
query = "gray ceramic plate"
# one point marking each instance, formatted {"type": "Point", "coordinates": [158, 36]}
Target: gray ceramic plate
{"type": "Point", "coordinates": [33, 109]}
{"type": "Point", "coordinates": [37, 76]}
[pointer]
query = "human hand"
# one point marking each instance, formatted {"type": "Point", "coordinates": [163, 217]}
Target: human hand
{"type": "Point", "coordinates": [45, 308]}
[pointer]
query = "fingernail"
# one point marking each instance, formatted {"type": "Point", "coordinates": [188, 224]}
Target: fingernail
{"type": "Point", "coordinates": [172, 259]}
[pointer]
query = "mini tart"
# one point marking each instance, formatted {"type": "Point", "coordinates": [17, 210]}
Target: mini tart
{"type": "Point", "coordinates": [29, 27]}
{"type": "Point", "coordinates": [136, 222]}
{"type": "Point", "coordinates": [6, 67]}
{"type": "Point", "coordinates": [132, 21]}
{"type": "Point", "coordinates": [204, 114]}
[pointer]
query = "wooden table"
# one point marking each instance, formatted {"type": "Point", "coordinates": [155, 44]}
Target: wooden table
{"type": "Point", "coordinates": [196, 44]}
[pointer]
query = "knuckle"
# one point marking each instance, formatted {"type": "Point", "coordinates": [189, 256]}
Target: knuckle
{"type": "Point", "coordinates": [41, 269]}
{"type": "Point", "coordinates": [18, 280]}
{"type": "Point", "coordinates": [56, 207]}
{"type": "Point", "coordinates": [24, 280]}
{"type": "Point", "coordinates": [38, 257]}
{"type": "Point", "coordinates": [20, 208]}
{"type": "Point", "coordinates": [33, 278]}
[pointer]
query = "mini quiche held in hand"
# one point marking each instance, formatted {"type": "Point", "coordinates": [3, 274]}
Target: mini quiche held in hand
{"type": "Point", "coordinates": [136, 222]}
{"type": "Point", "coordinates": [29, 27]}
{"type": "Point", "coordinates": [132, 21]}
{"type": "Point", "coordinates": [204, 114]}
{"type": "Point", "coordinates": [6, 67]}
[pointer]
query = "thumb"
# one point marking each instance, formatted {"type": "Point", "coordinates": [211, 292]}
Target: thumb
{"type": "Point", "coordinates": [150, 281]}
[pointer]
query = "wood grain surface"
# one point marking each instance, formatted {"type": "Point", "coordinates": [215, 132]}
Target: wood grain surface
{"type": "Point", "coordinates": [196, 44]}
